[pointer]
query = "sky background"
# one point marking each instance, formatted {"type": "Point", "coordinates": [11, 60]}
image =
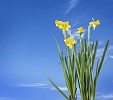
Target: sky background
{"type": "Point", "coordinates": [28, 50]}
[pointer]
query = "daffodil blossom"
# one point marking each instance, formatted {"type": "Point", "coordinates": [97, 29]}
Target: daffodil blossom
{"type": "Point", "coordinates": [58, 23]}
{"type": "Point", "coordinates": [70, 41]}
{"type": "Point", "coordinates": [63, 25]}
{"type": "Point", "coordinates": [94, 23]}
{"type": "Point", "coordinates": [80, 30]}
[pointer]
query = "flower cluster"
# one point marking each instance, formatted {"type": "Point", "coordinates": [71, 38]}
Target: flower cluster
{"type": "Point", "coordinates": [70, 41]}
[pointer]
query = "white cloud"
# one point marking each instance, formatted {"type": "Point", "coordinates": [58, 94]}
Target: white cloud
{"type": "Point", "coordinates": [64, 89]}
{"type": "Point", "coordinates": [101, 50]}
{"type": "Point", "coordinates": [61, 88]}
{"type": "Point", "coordinates": [72, 4]}
{"type": "Point", "coordinates": [111, 56]}
{"type": "Point", "coordinates": [70, 33]}
{"type": "Point", "coordinates": [33, 85]}
{"type": "Point", "coordinates": [105, 96]}
{"type": "Point", "coordinates": [77, 36]}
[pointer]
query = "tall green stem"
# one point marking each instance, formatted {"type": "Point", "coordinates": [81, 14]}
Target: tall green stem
{"type": "Point", "coordinates": [89, 35]}
{"type": "Point", "coordinates": [80, 42]}
{"type": "Point", "coordinates": [64, 33]}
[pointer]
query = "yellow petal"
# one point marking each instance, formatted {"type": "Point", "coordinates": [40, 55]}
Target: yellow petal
{"type": "Point", "coordinates": [63, 25]}
{"type": "Point", "coordinates": [80, 30]}
{"type": "Point", "coordinates": [74, 42]}
{"type": "Point", "coordinates": [97, 22]}
{"type": "Point", "coordinates": [58, 23]}
{"type": "Point", "coordinates": [70, 41]}
{"type": "Point", "coordinates": [91, 23]}
{"type": "Point", "coordinates": [70, 46]}
{"type": "Point", "coordinates": [94, 26]}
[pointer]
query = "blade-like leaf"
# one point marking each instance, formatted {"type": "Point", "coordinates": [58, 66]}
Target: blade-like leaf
{"type": "Point", "coordinates": [103, 56]}
{"type": "Point", "coordinates": [95, 79]}
{"type": "Point", "coordinates": [59, 52]}
{"type": "Point", "coordinates": [94, 55]}
{"type": "Point", "coordinates": [57, 88]}
{"type": "Point", "coordinates": [66, 74]}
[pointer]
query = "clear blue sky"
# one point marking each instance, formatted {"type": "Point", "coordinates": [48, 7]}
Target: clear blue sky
{"type": "Point", "coordinates": [27, 47]}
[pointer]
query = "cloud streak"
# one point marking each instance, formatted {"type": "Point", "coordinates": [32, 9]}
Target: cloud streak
{"type": "Point", "coordinates": [64, 89]}
{"type": "Point", "coordinates": [110, 56]}
{"type": "Point", "coordinates": [101, 50]}
{"type": "Point", "coordinates": [72, 4]}
{"type": "Point", "coordinates": [61, 88]}
{"type": "Point", "coordinates": [32, 85]}
{"type": "Point", "coordinates": [105, 97]}
{"type": "Point", "coordinates": [76, 36]}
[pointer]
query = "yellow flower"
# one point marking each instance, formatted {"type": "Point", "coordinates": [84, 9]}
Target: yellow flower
{"type": "Point", "coordinates": [94, 23]}
{"type": "Point", "coordinates": [80, 30]}
{"type": "Point", "coordinates": [58, 23]}
{"type": "Point", "coordinates": [70, 41]}
{"type": "Point", "coordinates": [63, 25]}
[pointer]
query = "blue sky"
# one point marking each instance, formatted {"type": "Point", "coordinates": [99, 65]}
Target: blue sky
{"type": "Point", "coordinates": [27, 47]}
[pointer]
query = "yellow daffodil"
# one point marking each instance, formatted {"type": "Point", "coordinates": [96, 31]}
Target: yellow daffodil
{"type": "Point", "coordinates": [58, 23]}
{"type": "Point", "coordinates": [63, 25]}
{"type": "Point", "coordinates": [94, 23]}
{"type": "Point", "coordinates": [80, 30]}
{"type": "Point", "coordinates": [70, 41]}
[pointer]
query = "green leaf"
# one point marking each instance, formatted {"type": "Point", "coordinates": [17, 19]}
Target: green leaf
{"type": "Point", "coordinates": [59, 52]}
{"type": "Point", "coordinates": [85, 46]}
{"type": "Point", "coordinates": [66, 74]}
{"type": "Point", "coordinates": [95, 51]}
{"type": "Point", "coordinates": [95, 79]}
{"type": "Point", "coordinates": [103, 56]}
{"type": "Point", "coordinates": [57, 88]}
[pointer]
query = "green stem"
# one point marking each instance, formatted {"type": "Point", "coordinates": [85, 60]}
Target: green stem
{"type": "Point", "coordinates": [89, 35]}
{"type": "Point", "coordinates": [64, 33]}
{"type": "Point", "coordinates": [80, 42]}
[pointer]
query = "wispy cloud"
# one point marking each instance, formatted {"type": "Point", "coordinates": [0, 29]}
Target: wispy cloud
{"type": "Point", "coordinates": [6, 98]}
{"type": "Point", "coordinates": [70, 32]}
{"type": "Point", "coordinates": [100, 51]}
{"type": "Point", "coordinates": [32, 85]}
{"type": "Point", "coordinates": [72, 4]}
{"type": "Point", "coordinates": [61, 88]}
{"type": "Point", "coordinates": [110, 56]}
{"type": "Point", "coordinates": [77, 36]}
{"type": "Point", "coordinates": [105, 97]}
